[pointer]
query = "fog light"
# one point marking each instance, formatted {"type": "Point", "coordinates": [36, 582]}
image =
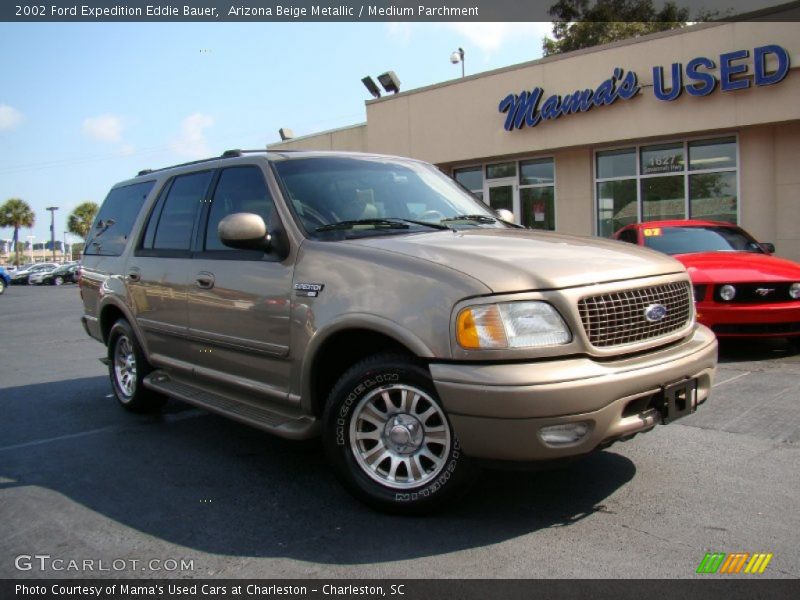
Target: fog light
{"type": "Point", "coordinates": [794, 291]}
{"type": "Point", "coordinates": [727, 292]}
{"type": "Point", "coordinates": [560, 435]}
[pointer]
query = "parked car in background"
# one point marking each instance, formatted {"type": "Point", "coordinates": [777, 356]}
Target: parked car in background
{"type": "Point", "coordinates": [21, 275]}
{"type": "Point", "coordinates": [37, 277]}
{"type": "Point", "coordinates": [67, 273]}
{"type": "Point", "coordinates": [5, 280]}
{"type": "Point", "coordinates": [740, 289]}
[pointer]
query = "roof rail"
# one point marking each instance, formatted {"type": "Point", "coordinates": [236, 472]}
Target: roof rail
{"type": "Point", "coordinates": [227, 154]}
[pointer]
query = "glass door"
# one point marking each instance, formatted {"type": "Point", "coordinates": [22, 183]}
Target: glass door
{"type": "Point", "coordinates": [504, 194]}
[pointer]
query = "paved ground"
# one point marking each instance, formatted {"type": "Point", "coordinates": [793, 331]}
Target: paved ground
{"type": "Point", "coordinates": [80, 479]}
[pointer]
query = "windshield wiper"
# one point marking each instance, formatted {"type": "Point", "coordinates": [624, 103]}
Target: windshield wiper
{"type": "Point", "coordinates": [389, 223]}
{"type": "Point", "coordinates": [476, 218]}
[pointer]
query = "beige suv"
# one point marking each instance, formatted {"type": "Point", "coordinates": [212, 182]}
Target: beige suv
{"type": "Point", "coordinates": [371, 300]}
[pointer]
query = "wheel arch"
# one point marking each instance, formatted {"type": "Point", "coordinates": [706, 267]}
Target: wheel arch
{"type": "Point", "coordinates": [339, 346]}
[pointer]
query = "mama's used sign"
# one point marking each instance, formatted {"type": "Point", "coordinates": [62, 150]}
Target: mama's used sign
{"type": "Point", "coordinates": [529, 108]}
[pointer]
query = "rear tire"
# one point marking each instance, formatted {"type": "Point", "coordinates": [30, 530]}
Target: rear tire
{"type": "Point", "coordinates": [58, 280]}
{"type": "Point", "coordinates": [388, 437]}
{"type": "Point", "coordinates": [795, 343]}
{"type": "Point", "coordinates": [127, 369]}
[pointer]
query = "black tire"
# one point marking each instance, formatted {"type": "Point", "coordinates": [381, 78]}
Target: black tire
{"type": "Point", "coordinates": [57, 280]}
{"type": "Point", "coordinates": [127, 367]}
{"type": "Point", "coordinates": [423, 466]}
{"type": "Point", "coordinates": [794, 341]}
{"type": "Point", "coordinates": [2, 286]}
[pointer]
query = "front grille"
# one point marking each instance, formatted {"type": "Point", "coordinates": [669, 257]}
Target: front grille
{"type": "Point", "coordinates": [619, 318]}
{"type": "Point", "coordinates": [761, 293]}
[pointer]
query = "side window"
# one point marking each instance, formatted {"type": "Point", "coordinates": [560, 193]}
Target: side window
{"type": "Point", "coordinates": [240, 189]}
{"type": "Point", "coordinates": [114, 221]}
{"type": "Point", "coordinates": [171, 224]}
{"type": "Point", "coordinates": [629, 235]}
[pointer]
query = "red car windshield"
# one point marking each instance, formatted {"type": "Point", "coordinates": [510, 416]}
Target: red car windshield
{"type": "Point", "coordinates": [685, 240]}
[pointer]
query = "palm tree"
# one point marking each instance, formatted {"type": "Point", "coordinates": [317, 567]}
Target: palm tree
{"type": "Point", "coordinates": [81, 219]}
{"type": "Point", "coordinates": [16, 213]}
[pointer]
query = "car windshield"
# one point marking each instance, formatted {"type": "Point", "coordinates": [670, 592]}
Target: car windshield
{"type": "Point", "coordinates": [336, 197]}
{"type": "Point", "coordinates": [710, 238]}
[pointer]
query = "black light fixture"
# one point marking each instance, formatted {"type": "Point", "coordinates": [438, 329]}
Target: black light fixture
{"type": "Point", "coordinates": [390, 82]}
{"type": "Point", "coordinates": [371, 86]}
{"type": "Point", "coordinates": [285, 133]}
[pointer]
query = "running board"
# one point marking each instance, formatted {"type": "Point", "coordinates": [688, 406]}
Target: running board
{"type": "Point", "coordinates": [251, 414]}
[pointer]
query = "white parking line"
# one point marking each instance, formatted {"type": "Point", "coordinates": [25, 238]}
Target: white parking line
{"type": "Point", "coordinates": [169, 418]}
{"type": "Point", "coordinates": [734, 378]}
{"type": "Point", "coordinates": [57, 439]}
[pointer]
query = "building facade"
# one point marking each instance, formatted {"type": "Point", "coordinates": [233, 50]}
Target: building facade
{"type": "Point", "coordinates": [702, 122]}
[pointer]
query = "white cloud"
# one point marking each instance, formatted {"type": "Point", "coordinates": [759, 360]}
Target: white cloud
{"type": "Point", "coordinates": [103, 128]}
{"type": "Point", "coordinates": [10, 117]}
{"type": "Point", "coordinates": [192, 141]}
{"type": "Point", "coordinates": [489, 37]}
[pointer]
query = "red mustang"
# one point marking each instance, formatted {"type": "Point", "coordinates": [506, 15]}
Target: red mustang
{"type": "Point", "coordinates": [739, 288]}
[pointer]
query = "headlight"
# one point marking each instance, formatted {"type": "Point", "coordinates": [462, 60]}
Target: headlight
{"type": "Point", "coordinates": [794, 290]}
{"type": "Point", "coordinates": [511, 325]}
{"type": "Point", "coordinates": [727, 292]}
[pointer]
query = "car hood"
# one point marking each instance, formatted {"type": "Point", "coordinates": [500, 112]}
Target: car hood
{"type": "Point", "coordinates": [719, 267]}
{"type": "Point", "coordinates": [511, 260]}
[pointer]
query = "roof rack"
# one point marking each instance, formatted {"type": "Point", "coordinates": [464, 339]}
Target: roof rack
{"type": "Point", "coordinates": [226, 154]}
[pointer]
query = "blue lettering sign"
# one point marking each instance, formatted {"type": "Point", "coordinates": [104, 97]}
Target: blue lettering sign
{"type": "Point", "coordinates": [706, 82]}
{"type": "Point", "coordinates": [727, 70]}
{"type": "Point", "coordinates": [523, 109]}
{"type": "Point", "coordinates": [760, 60]}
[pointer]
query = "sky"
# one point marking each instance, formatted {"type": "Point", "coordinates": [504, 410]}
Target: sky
{"type": "Point", "coordinates": [85, 105]}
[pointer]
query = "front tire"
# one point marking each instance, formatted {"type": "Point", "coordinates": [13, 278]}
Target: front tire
{"type": "Point", "coordinates": [389, 438]}
{"type": "Point", "coordinates": [127, 369]}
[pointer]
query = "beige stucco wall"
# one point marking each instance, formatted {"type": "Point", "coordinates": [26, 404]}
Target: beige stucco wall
{"type": "Point", "coordinates": [787, 191]}
{"type": "Point", "coordinates": [460, 121]}
{"type": "Point", "coordinates": [349, 139]}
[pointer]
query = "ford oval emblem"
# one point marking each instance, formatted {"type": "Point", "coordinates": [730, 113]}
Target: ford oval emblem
{"type": "Point", "coordinates": [655, 312]}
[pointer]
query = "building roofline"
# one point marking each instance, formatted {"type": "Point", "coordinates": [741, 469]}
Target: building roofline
{"type": "Point", "coordinates": [554, 58]}
{"type": "Point", "coordinates": [317, 134]}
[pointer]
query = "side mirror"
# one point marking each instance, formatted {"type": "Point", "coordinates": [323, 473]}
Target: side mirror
{"type": "Point", "coordinates": [245, 231]}
{"type": "Point", "coordinates": [767, 247]}
{"type": "Point", "coordinates": [505, 215]}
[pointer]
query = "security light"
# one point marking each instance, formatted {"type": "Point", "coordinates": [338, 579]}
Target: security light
{"type": "Point", "coordinates": [371, 86]}
{"type": "Point", "coordinates": [285, 133]}
{"type": "Point", "coordinates": [390, 82]}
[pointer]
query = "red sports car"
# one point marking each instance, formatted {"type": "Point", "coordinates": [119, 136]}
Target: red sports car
{"type": "Point", "coordinates": [740, 289]}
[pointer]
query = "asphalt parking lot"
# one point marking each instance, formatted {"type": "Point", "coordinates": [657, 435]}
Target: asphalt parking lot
{"type": "Point", "coordinates": [80, 479]}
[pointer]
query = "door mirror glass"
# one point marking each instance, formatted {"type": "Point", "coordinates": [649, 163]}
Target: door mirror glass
{"type": "Point", "coordinates": [245, 231]}
{"type": "Point", "coordinates": [768, 247]}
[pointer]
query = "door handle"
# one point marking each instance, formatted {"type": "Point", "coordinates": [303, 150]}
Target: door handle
{"type": "Point", "coordinates": [134, 275]}
{"type": "Point", "coordinates": [205, 281]}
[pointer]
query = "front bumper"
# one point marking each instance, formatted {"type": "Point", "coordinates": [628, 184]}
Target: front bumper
{"type": "Point", "coordinates": [498, 410]}
{"type": "Point", "coordinates": [746, 320]}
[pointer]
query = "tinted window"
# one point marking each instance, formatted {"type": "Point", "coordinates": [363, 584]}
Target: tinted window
{"type": "Point", "coordinates": [682, 240]}
{"type": "Point", "coordinates": [629, 235]}
{"type": "Point", "coordinates": [114, 221]}
{"type": "Point", "coordinates": [240, 189]}
{"type": "Point", "coordinates": [176, 221]}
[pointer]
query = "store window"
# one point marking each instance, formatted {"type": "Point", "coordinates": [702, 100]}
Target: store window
{"type": "Point", "coordinates": [526, 188]}
{"type": "Point", "coordinates": [537, 193]}
{"type": "Point", "coordinates": [471, 178]}
{"type": "Point", "coordinates": [678, 180]}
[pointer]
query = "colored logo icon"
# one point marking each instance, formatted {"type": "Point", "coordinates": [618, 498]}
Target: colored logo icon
{"type": "Point", "coordinates": [734, 563]}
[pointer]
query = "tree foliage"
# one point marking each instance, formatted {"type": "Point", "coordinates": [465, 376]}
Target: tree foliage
{"type": "Point", "coordinates": [80, 220]}
{"type": "Point", "coordinates": [583, 23]}
{"type": "Point", "coordinates": [16, 213]}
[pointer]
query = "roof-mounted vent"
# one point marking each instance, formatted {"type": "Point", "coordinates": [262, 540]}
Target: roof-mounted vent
{"type": "Point", "coordinates": [231, 153]}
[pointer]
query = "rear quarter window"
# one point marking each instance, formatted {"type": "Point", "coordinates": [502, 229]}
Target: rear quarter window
{"type": "Point", "coordinates": [112, 226]}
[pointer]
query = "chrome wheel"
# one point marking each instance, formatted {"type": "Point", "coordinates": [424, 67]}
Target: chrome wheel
{"type": "Point", "coordinates": [125, 366]}
{"type": "Point", "coordinates": [58, 280]}
{"type": "Point", "coordinates": [399, 436]}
